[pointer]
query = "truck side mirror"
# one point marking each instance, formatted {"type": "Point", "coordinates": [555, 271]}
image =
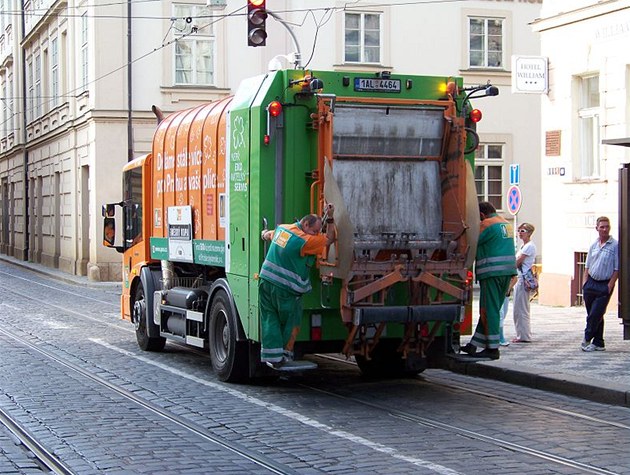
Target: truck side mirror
{"type": "Point", "coordinates": [109, 232]}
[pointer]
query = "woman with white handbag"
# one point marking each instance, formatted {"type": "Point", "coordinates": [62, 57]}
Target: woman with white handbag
{"type": "Point", "coordinates": [525, 284]}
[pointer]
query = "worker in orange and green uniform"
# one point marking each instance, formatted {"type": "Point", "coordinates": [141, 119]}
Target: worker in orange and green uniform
{"type": "Point", "coordinates": [284, 278]}
{"type": "Point", "coordinates": [495, 264]}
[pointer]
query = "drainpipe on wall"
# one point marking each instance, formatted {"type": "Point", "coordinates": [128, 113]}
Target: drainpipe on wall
{"type": "Point", "coordinates": [129, 83]}
{"type": "Point", "coordinates": [26, 206]}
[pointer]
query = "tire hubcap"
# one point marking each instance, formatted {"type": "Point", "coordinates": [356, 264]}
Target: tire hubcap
{"type": "Point", "coordinates": [138, 313]}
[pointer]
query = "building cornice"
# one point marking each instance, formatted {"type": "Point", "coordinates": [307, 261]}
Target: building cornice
{"type": "Point", "coordinates": [52, 12]}
{"type": "Point", "coordinates": [580, 14]}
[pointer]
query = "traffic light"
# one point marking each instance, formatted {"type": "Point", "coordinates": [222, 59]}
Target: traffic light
{"type": "Point", "coordinates": [256, 16]}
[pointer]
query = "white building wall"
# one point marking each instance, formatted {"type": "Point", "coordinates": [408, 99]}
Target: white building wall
{"type": "Point", "coordinates": [580, 38]}
{"type": "Point", "coordinates": [77, 147]}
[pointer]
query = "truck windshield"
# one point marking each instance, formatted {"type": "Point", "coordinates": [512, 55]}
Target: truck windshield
{"type": "Point", "coordinates": [132, 186]}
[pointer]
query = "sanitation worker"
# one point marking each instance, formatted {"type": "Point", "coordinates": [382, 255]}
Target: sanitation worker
{"type": "Point", "coordinates": [284, 278]}
{"type": "Point", "coordinates": [495, 264]}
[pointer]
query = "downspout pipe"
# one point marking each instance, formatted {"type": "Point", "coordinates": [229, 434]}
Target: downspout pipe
{"type": "Point", "coordinates": [26, 206]}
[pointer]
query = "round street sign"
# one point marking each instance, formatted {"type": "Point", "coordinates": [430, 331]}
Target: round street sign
{"type": "Point", "coordinates": [514, 199]}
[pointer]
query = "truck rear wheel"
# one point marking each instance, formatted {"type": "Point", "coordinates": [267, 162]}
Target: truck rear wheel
{"type": "Point", "coordinates": [145, 342]}
{"type": "Point", "coordinates": [228, 360]}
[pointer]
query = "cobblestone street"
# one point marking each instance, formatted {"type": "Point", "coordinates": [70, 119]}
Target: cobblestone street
{"type": "Point", "coordinates": [73, 375]}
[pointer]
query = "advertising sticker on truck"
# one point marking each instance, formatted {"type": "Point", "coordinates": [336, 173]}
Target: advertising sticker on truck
{"type": "Point", "coordinates": [180, 233]}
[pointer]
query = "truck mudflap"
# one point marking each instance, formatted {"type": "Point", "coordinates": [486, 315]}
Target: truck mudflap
{"type": "Point", "coordinates": [408, 314]}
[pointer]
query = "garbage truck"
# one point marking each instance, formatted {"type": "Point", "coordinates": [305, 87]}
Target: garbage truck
{"type": "Point", "coordinates": [393, 152]}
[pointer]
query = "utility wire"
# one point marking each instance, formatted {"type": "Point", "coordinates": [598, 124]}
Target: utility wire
{"type": "Point", "coordinates": [328, 14]}
{"type": "Point", "coordinates": [83, 87]}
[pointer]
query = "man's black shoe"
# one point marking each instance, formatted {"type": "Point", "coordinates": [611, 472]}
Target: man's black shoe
{"type": "Point", "coordinates": [493, 354]}
{"type": "Point", "coordinates": [469, 349]}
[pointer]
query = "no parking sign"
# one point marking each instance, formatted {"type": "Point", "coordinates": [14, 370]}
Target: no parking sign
{"type": "Point", "coordinates": [514, 199]}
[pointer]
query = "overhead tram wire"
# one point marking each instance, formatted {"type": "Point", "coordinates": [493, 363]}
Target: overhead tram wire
{"type": "Point", "coordinates": [346, 7]}
{"type": "Point", "coordinates": [234, 13]}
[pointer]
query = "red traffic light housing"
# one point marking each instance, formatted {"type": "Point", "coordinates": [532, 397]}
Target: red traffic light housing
{"type": "Point", "coordinates": [256, 18]}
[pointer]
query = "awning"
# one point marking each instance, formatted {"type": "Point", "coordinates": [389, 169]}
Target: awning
{"type": "Point", "coordinates": [624, 142]}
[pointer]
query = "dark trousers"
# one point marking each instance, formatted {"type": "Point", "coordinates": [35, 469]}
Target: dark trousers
{"type": "Point", "coordinates": [596, 297]}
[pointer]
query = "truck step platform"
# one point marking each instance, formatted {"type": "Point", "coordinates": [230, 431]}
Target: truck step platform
{"type": "Point", "coordinates": [295, 366]}
{"type": "Point", "coordinates": [465, 358]}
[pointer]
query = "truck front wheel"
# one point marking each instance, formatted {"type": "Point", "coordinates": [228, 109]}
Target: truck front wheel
{"type": "Point", "coordinates": [145, 342]}
{"type": "Point", "coordinates": [228, 360]}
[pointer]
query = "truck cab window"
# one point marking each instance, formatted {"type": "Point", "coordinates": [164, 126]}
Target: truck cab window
{"type": "Point", "coordinates": [132, 184]}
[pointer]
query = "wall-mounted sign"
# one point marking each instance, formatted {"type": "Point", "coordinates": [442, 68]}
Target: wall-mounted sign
{"type": "Point", "coordinates": [530, 74]}
{"type": "Point", "coordinates": [552, 143]}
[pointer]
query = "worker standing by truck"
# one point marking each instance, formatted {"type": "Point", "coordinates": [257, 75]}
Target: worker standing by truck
{"type": "Point", "coordinates": [284, 278]}
{"type": "Point", "coordinates": [495, 264]}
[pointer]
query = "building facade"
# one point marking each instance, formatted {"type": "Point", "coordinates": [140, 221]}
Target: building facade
{"type": "Point", "coordinates": [78, 80]}
{"type": "Point", "coordinates": [588, 102]}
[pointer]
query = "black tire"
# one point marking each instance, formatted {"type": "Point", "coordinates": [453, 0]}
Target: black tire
{"type": "Point", "coordinates": [474, 137]}
{"type": "Point", "coordinates": [386, 362]}
{"type": "Point", "coordinates": [229, 361]}
{"type": "Point", "coordinates": [139, 309]}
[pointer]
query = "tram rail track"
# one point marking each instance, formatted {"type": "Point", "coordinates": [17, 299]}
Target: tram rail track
{"type": "Point", "coordinates": [256, 458]}
{"type": "Point", "coordinates": [435, 381]}
{"type": "Point", "coordinates": [393, 412]}
{"type": "Point", "coordinates": [430, 422]}
{"type": "Point", "coordinates": [44, 458]}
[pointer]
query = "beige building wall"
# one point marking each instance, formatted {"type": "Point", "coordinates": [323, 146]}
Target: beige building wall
{"type": "Point", "coordinates": [583, 40]}
{"type": "Point", "coordinates": [62, 158]}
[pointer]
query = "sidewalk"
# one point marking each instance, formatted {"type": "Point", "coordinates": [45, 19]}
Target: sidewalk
{"type": "Point", "coordinates": [59, 275]}
{"type": "Point", "coordinates": [553, 361]}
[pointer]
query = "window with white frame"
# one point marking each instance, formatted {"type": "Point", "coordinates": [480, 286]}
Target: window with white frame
{"type": "Point", "coordinates": [3, 15]}
{"type": "Point", "coordinates": [489, 163]}
{"type": "Point", "coordinates": [194, 46]}
{"type": "Point", "coordinates": [5, 106]}
{"type": "Point", "coordinates": [362, 37]}
{"type": "Point", "coordinates": [84, 51]}
{"type": "Point", "coordinates": [37, 79]}
{"type": "Point", "coordinates": [54, 73]}
{"type": "Point", "coordinates": [10, 105]}
{"type": "Point", "coordinates": [588, 129]}
{"type": "Point", "coordinates": [29, 82]}
{"type": "Point", "coordinates": [485, 42]}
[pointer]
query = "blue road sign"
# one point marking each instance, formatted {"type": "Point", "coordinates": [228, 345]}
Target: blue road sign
{"type": "Point", "coordinates": [514, 199]}
{"type": "Point", "coordinates": [515, 174]}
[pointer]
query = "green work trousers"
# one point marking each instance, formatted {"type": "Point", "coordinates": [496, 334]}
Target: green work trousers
{"type": "Point", "coordinates": [280, 312]}
{"type": "Point", "coordinates": [492, 292]}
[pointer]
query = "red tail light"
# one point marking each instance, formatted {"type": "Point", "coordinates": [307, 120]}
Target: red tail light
{"type": "Point", "coordinates": [316, 327]}
{"type": "Point", "coordinates": [274, 108]}
{"type": "Point", "coordinates": [475, 115]}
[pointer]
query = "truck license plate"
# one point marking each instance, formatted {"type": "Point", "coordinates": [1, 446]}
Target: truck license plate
{"type": "Point", "coordinates": [376, 85]}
